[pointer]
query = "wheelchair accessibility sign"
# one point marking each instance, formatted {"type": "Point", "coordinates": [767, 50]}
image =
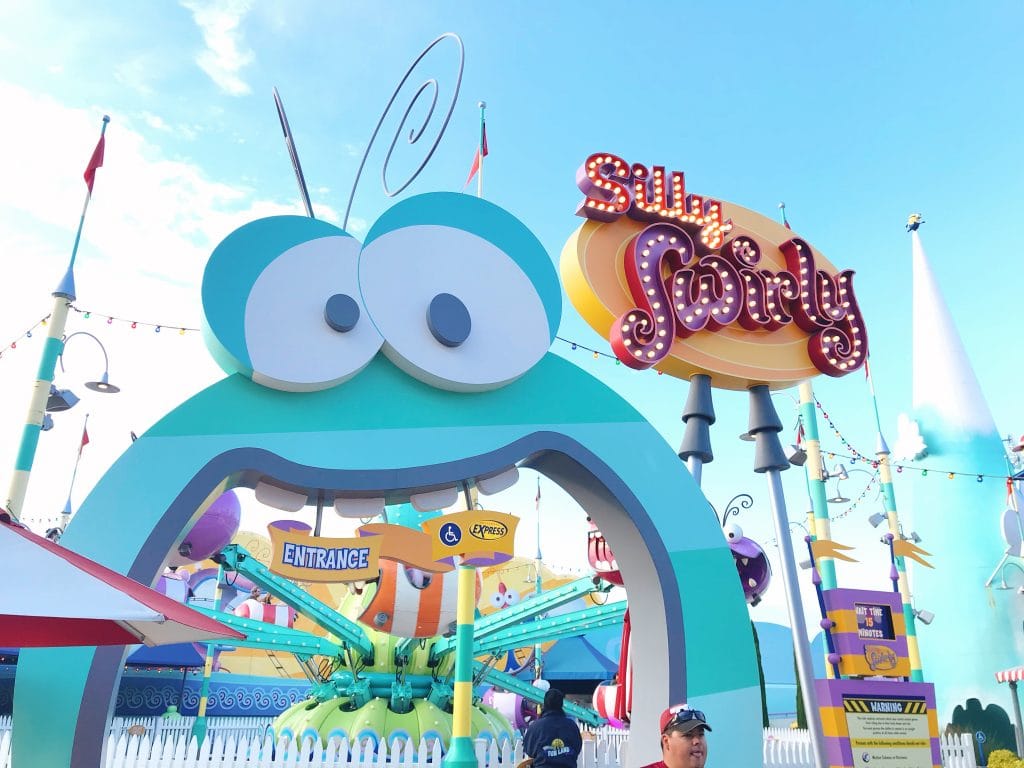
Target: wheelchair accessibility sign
{"type": "Point", "coordinates": [479, 537]}
{"type": "Point", "coordinates": [450, 534]}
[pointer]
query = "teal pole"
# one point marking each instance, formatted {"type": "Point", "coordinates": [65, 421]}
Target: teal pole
{"type": "Point", "coordinates": [52, 347]}
{"type": "Point", "coordinates": [199, 727]}
{"type": "Point", "coordinates": [816, 482]}
{"type": "Point", "coordinates": [538, 663]}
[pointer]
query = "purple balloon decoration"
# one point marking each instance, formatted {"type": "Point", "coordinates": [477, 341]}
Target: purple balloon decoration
{"type": "Point", "coordinates": [211, 532]}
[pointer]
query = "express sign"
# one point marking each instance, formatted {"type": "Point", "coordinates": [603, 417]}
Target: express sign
{"type": "Point", "coordinates": [691, 284]}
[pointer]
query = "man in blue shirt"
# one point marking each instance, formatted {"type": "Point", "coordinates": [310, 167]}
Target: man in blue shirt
{"type": "Point", "coordinates": [553, 739]}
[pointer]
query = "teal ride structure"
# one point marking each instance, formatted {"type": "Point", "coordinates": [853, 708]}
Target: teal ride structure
{"type": "Point", "coordinates": [372, 684]}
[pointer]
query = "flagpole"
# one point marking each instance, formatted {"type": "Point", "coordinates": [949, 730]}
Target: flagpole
{"type": "Point", "coordinates": [52, 347]}
{"type": "Point", "coordinates": [814, 467]}
{"type": "Point", "coordinates": [902, 583]}
{"type": "Point", "coordinates": [66, 517]}
{"type": "Point", "coordinates": [483, 140]}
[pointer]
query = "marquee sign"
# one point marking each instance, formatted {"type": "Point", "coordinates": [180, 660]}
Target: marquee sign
{"type": "Point", "coordinates": [688, 284]}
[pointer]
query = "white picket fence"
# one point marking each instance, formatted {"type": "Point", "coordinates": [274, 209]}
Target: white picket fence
{"type": "Point", "coordinates": [245, 742]}
{"type": "Point", "coordinates": [787, 748]}
{"type": "Point", "coordinates": [175, 748]}
{"type": "Point", "coordinates": [791, 748]}
{"type": "Point", "coordinates": [958, 751]}
{"type": "Point", "coordinates": [606, 734]}
{"type": "Point", "coordinates": [160, 728]}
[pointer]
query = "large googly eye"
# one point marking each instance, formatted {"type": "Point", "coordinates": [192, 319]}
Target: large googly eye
{"type": "Point", "coordinates": [498, 600]}
{"type": "Point", "coordinates": [463, 293]}
{"type": "Point", "coordinates": [733, 532]}
{"type": "Point", "coordinates": [511, 597]}
{"type": "Point", "coordinates": [282, 304]}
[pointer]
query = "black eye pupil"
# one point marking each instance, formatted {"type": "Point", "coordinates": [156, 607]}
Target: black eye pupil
{"type": "Point", "coordinates": [448, 320]}
{"type": "Point", "coordinates": [341, 312]}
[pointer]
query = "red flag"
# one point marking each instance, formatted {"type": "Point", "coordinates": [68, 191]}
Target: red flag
{"type": "Point", "coordinates": [85, 440]}
{"type": "Point", "coordinates": [481, 153]}
{"type": "Point", "coordinates": [473, 170]}
{"type": "Point", "coordinates": [538, 495]}
{"type": "Point", "coordinates": [94, 162]}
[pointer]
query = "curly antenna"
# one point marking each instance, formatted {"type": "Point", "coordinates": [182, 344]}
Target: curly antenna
{"type": "Point", "coordinates": [414, 133]}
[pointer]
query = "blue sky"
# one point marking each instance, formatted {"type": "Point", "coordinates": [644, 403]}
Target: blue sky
{"type": "Point", "coordinates": [855, 115]}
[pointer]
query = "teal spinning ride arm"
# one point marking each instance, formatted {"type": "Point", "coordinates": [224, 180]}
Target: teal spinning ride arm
{"type": "Point", "coordinates": [532, 693]}
{"type": "Point", "coordinates": [535, 604]}
{"type": "Point", "coordinates": [270, 637]}
{"type": "Point", "coordinates": [523, 612]}
{"type": "Point", "coordinates": [552, 628]}
{"type": "Point", "coordinates": [236, 558]}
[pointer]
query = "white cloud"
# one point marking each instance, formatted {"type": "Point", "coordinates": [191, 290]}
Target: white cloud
{"type": "Point", "coordinates": [135, 73]}
{"type": "Point", "coordinates": [910, 445]}
{"type": "Point", "coordinates": [226, 54]}
{"type": "Point", "coordinates": [151, 218]}
{"type": "Point", "coordinates": [356, 226]}
{"type": "Point", "coordinates": [155, 121]}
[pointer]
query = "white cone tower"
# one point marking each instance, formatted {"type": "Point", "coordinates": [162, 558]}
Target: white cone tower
{"type": "Point", "coordinates": [975, 629]}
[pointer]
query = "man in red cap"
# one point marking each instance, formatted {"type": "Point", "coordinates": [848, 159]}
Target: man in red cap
{"type": "Point", "coordinates": [683, 744]}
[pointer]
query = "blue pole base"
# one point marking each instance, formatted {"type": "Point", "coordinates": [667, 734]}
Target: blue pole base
{"type": "Point", "coordinates": [461, 753]}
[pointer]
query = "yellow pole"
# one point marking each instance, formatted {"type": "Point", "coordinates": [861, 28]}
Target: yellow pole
{"type": "Point", "coordinates": [461, 753]}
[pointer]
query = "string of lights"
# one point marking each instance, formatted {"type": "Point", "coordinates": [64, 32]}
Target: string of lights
{"type": "Point", "coordinates": [13, 344]}
{"type": "Point", "coordinates": [854, 456]}
{"type": "Point", "coordinates": [575, 346]}
{"type": "Point", "coordinates": [824, 414]}
{"type": "Point", "coordinates": [950, 474]}
{"type": "Point", "coordinates": [863, 495]}
{"type": "Point", "coordinates": [133, 324]}
{"type": "Point", "coordinates": [88, 314]}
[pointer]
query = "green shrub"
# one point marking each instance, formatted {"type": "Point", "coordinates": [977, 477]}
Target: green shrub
{"type": "Point", "coordinates": [1004, 758]}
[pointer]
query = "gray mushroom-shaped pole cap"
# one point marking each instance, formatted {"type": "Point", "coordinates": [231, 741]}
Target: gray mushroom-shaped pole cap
{"type": "Point", "coordinates": [764, 425]}
{"type": "Point", "coordinates": [698, 415]}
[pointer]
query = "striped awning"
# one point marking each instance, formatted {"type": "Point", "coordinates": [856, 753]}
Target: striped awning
{"type": "Point", "coordinates": [1013, 674]}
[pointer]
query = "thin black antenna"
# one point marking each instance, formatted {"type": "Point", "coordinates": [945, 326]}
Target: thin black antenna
{"type": "Point", "coordinates": [293, 154]}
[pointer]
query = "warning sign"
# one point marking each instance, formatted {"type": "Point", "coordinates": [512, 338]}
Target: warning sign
{"type": "Point", "coordinates": [889, 731]}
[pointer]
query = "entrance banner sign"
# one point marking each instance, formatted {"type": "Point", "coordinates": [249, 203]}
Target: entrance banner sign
{"type": "Point", "coordinates": [300, 556]}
